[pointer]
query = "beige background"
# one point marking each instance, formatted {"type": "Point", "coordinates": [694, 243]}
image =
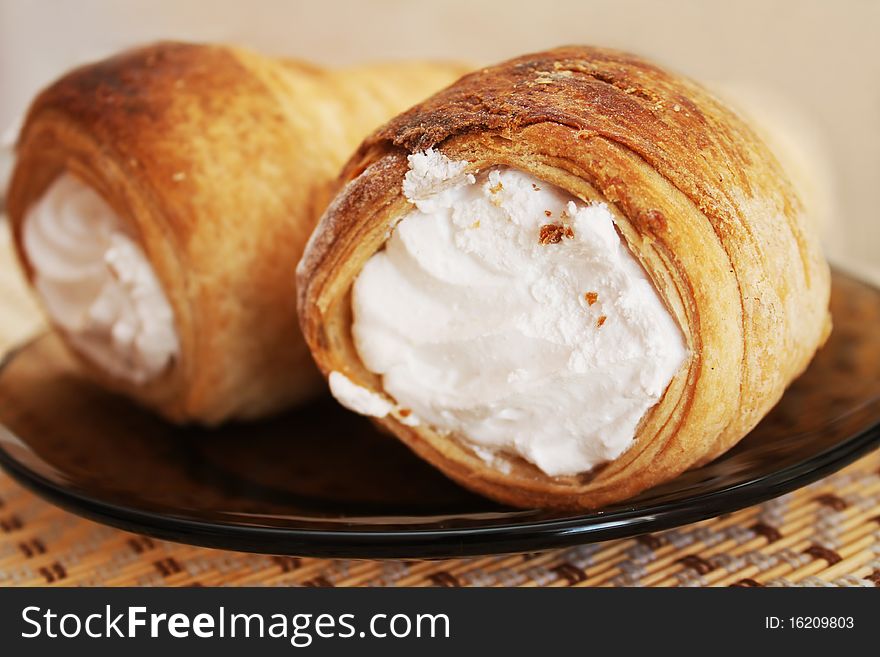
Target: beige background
{"type": "Point", "coordinates": [822, 56]}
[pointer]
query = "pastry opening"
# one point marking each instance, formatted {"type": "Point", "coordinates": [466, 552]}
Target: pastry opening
{"type": "Point", "coordinates": [506, 312]}
{"type": "Point", "coordinates": [97, 284]}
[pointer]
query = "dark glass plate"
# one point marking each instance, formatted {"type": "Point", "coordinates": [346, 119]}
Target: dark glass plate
{"type": "Point", "coordinates": [321, 481]}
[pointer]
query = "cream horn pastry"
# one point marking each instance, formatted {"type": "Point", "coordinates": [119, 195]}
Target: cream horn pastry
{"type": "Point", "coordinates": [159, 199]}
{"type": "Point", "coordinates": [565, 279]}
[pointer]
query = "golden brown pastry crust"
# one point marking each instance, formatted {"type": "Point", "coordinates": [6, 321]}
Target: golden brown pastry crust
{"type": "Point", "coordinates": [220, 161]}
{"type": "Point", "coordinates": [699, 199]}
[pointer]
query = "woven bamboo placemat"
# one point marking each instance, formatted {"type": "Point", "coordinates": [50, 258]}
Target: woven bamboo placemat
{"type": "Point", "coordinates": [827, 534]}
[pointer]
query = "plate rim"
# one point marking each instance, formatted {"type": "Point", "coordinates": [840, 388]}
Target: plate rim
{"type": "Point", "coordinates": [520, 536]}
{"type": "Point", "coordinates": [447, 542]}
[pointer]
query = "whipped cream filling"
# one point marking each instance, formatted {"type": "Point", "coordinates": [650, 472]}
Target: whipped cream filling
{"type": "Point", "coordinates": [508, 313]}
{"type": "Point", "coordinates": [357, 398]}
{"type": "Point", "coordinates": [97, 284]}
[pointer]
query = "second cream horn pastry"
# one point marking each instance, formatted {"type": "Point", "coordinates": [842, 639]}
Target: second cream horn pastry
{"type": "Point", "coordinates": [160, 199]}
{"type": "Point", "coordinates": [565, 279]}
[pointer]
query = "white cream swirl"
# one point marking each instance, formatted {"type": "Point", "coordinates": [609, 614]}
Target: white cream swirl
{"type": "Point", "coordinates": [97, 284]}
{"type": "Point", "coordinates": [511, 314]}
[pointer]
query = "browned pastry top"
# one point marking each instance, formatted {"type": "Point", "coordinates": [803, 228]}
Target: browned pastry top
{"type": "Point", "coordinates": [599, 92]}
{"type": "Point", "coordinates": [152, 107]}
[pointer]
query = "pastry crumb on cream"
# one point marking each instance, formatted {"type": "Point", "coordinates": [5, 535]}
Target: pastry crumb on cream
{"type": "Point", "coordinates": [97, 284]}
{"type": "Point", "coordinates": [511, 314]}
